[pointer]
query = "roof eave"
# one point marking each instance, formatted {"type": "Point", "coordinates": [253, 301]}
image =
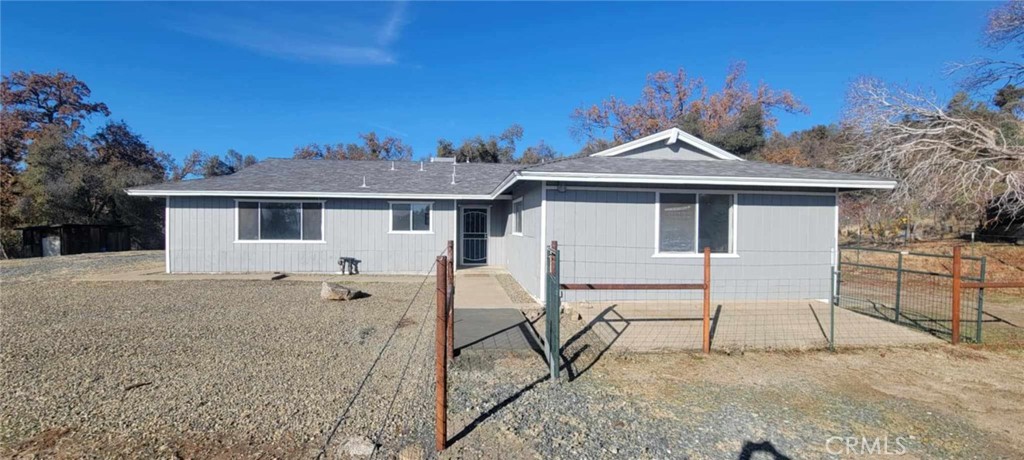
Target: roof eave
{"type": "Point", "coordinates": [272, 194]}
{"type": "Point", "coordinates": [849, 184]}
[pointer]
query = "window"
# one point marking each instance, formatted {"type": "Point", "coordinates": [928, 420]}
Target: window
{"type": "Point", "coordinates": [280, 221]}
{"type": "Point", "coordinates": [517, 213]}
{"type": "Point", "coordinates": [689, 222]}
{"type": "Point", "coordinates": [410, 217]}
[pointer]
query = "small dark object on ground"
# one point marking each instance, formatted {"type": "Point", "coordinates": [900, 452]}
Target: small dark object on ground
{"type": "Point", "coordinates": [335, 291]}
{"type": "Point", "coordinates": [137, 385]}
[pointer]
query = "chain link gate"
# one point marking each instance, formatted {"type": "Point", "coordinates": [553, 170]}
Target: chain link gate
{"type": "Point", "coordinates": [552, 311]}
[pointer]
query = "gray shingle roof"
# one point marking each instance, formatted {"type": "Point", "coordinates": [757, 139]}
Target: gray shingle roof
{"type": "Point", "coordinates": [333, 176]}
{"type": "Point", "coordinates": [312, 177]}
{"type": "Point", "coordinates": [710, 168]}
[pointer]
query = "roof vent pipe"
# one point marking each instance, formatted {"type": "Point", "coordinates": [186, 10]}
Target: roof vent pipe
{"type": "Point", "coordinates": [421, 165]}
{"type": "Point", "coordinates": [364, 183]}
{"type": "Point", "coordinates": [453, 174]}
{"type": "Point", "coordinates": [392, 165]}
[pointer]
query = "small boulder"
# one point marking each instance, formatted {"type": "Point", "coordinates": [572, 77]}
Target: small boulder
{"type": "Point", "coordinates": [359, 446]}
{"type": "Point", "coordinates": [335, 291]}
{"type": "Point", "coordinates": [412, 452]}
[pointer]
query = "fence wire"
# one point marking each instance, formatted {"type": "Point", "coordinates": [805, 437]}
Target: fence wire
{"type": "Point", "coordinates": [393, 405]}
{"type": "Point", "coordinates": [911, 289]}
{"type": "Point", "coordinates": [779, 299]}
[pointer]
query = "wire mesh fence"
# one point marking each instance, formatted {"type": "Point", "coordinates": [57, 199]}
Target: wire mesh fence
{"type": "Point", "coordinates": [626, 298]}
{"type": "Point", "coordinates": [911, 289]}
{"type": "Point", "coordinates": [391, 410]}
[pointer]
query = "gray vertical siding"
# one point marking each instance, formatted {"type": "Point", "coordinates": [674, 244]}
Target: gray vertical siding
{"type": "Point", "coordinates": [784, 244]}
{"type": "Point", "coordinates": [523, 252]}
{"type": "Point", "coordinates": [202, 239]}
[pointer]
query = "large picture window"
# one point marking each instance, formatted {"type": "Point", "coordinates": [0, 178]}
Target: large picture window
{"type": "Point", "coordinates": [410, 217]}
{"type": "Point", "coordinates": [280, 221]}
{"type": "Point", "coordinates": [689, 222]}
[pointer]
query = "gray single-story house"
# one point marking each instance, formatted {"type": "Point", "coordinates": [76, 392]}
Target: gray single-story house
{"type": "Point", "coordinates": [640, 211]}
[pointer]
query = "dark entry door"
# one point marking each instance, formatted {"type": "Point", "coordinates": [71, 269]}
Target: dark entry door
{"type": "Point", "coordinates": [474, 236]}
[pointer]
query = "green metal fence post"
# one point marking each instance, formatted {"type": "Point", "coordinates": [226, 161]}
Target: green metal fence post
{"type": "Point", "coordinates": [832, 311]}
{"type": "Point", "coordinates": [836, 275]}
{"type": "Point", "coordinates": [556, 342]}
{"type": "Point", "coordinates": [553, 311]}
{"type": "Point", "coordinates": [899, 284]}
{"type": "Point", "coordinates": [981, 300]}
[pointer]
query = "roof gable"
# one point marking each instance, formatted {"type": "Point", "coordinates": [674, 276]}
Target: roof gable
{"type": "Point", "coordinates": [672, 143]}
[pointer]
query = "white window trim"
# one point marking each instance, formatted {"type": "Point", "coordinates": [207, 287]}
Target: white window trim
{"type": "Point", "coordinates": [391, 218]}
{"type": "Point", "coordinates": [323, 221]}
{"type": "Point", "coordinates": [516, 218]}
{"type": "Point", "coordinates": [733, 252]}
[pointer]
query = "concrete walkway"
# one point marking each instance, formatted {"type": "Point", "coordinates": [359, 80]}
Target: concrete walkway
{"type": "Point", "coordinates": [486, 319]}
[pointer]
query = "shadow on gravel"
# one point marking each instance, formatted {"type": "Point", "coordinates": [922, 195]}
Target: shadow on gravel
{"type": "Point", "coordinates": [494, 410]}
{"type": "Point", "coordinates": [579, 354]}
{"type": "Point", "coordinates": [585, 348]}
{"type": "Point", "coordinates": [765, 447]}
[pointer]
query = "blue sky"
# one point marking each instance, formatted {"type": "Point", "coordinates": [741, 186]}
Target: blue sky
{"type": "Point", "coordinates": [263, 78]}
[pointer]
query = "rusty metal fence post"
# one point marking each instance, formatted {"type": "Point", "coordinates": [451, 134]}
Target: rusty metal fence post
{"type": "Point", "coordinates": [441, 360]}
{"type": "Point", "coordinates": [707, 300]}
{"type": "Point", "coordinates": [450, 299]}
{"type": "Point", "coordinates": [956, 297]}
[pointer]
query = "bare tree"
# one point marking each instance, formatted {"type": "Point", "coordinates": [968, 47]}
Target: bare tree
{"type": "Point", "coordinates": [957, 162]}
{"type": "Point", "coordinates": [1005, 27]}
{"type": "Point", "coordinates": [192, 164]}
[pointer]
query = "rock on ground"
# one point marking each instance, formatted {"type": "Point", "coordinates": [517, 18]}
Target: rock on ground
{"type": "Point", "coordinates": [359, 446]}
{"type": "Point", "coordinates": [335, 291]}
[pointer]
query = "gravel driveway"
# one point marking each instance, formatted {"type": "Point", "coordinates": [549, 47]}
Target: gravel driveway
{"type": "Point", "coordinates": [941, 402]}
{"type": "Point", "coordinates": [201, 368]}
{"type": "Point", "coordinates": [198, 369]}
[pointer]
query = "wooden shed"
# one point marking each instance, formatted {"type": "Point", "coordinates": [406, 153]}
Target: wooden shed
{"type": "Point", "coordinates": [67, 239]}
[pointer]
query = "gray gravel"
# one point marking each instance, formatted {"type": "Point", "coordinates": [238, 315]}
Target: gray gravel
{"type": "Point", "coordinates": [651, 406]}
{"type": "Point", "coordinates": [198, 369]}
{"type": "Point", "coordinates": [67, 267]}
{"type": "Point", "coordinates": [513, 289]}
{"type": "Point", "coordinates": [204, 368]}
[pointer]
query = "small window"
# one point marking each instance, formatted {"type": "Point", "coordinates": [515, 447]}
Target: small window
{"type": "Point", "coordinates": [517, 217]}
{"type": "Point", "coordinates": [280, 221]}
{"type": "Point", "coordinates": [410, 217]}
{"type": "Point", "coordinates": [689, 222]}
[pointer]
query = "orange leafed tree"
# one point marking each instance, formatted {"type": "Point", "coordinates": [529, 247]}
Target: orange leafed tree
{"type": "Point", "coordinates": [678, 100]}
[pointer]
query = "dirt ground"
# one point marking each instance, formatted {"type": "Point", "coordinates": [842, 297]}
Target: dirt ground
{"type": "Point", "coordinates": [227, 369]}
{"type": "Point", "coordinates": [939, 402]}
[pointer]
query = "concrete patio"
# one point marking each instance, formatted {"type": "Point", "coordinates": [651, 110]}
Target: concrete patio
{"type": "Point", "coordinates": [798, 324]}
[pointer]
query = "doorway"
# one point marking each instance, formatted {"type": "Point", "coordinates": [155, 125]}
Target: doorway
{"type": "Point", "coordinates": [475, 225]}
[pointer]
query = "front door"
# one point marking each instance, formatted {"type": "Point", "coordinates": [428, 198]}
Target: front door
{"type": "Point", "coordinates": [474, 235]}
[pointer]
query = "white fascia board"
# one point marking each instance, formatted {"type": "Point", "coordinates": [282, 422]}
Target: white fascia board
{"type": "Point", "coordinates": [670, 136]}
{"type": "Point", "coordinates": [707, 180]}
{"type": "Point", "coordinates": [708, 147]}
{"type": "Point", "coordinates": [269, 194]}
